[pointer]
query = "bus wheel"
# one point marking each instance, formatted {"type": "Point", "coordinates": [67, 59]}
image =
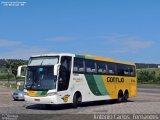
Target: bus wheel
{"type": "Point", "coordinates": [126, 95]}
{"type": "Point", "coordinates": [120, 96]}
{"type": "Point", "coordinates": [48, 106]}
{"type": "Point", "coordinates": [77, 98]}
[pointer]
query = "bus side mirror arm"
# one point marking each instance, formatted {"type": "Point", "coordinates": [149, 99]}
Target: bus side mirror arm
{"type": "Point", "coordinates": [56, 69]}
{"type": "Point", "coordinates": [19, 70]}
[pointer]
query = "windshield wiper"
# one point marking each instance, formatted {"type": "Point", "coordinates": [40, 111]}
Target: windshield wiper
{"type": "Point", "coordinates": [32, 84]}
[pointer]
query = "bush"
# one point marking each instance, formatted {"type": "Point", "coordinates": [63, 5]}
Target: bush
{"type": "Point", "coordinates": [3, 70]}
{"type": "Point", "coordinates": [151, 76]}
{"type": "Point", "coordinates": [12, 85]}
{"type": "Point", "coordinates": [4, 76]}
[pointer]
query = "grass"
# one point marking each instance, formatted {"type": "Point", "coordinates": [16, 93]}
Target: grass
{"type": "Point", "coordinates": [11, 85]}
{"type": "Point", "coordinates": [3, 70]}
{"type": "Point", "coordinates": [4, 75]}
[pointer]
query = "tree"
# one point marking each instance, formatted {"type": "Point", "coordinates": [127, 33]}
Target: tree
{"type": "Point", "coordinates": [158, 78]}
{"type": "Point", "coordinates": [8, 65]}
{"type": "Point", "coordinates": [146, 75]}
{"type": "Point", "coordinates": [143, 75]}
{"type": "Point", "coordinates": [152, 75]}
{"type": "Point", "coordinates": [14, 67]}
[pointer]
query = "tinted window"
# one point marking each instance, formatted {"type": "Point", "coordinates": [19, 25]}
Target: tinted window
{"type": "Point", "coordinates": [90, 66]}
{"type": "Point", "coordinates": [101, 67]}
{"type": "Point", "coordinates": [111, 68]}
{"type": "Point", "coordinates": [132, 71]}
{"type": "Point", "coordinates": [78, 65]}
{"type": "Point", "coordinates": [125, 70]}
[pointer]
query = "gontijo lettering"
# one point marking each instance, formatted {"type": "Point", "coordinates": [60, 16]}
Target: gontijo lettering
{"type": "Point", "coordinates": [115, 79]}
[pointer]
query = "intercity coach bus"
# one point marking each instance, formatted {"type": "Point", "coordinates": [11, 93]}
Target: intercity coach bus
{"type": "Point", "coordinates": [70, 78]}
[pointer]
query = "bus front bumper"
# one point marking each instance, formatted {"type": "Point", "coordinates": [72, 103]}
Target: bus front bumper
{"type": "Point", "coordinates": [42, 100]}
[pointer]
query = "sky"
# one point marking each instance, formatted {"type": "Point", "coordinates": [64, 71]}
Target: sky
{"type": "Point", "coordinates": [126, 30]}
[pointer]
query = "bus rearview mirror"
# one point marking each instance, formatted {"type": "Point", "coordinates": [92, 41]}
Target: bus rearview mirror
{"type": "Point", "coordinates": [56, 69]}
{"type": "Point", "coordinates": [20, 70]}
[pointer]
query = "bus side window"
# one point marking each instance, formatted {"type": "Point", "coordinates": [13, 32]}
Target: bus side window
{"type": "Point", "coordinates": [132, 71]}
{"type": "Point", "coordinates": [123, 70]}
{"type": "Point", "coordinates": [126, 70]}
{"type": "Point", "coordinates": [120, 70]}
{"type": "Point", "coordinates": [78, 65]}
{"type": "Point", "coordinates": [111, 68]}
{"type": "Point", "coordinates": [101, 67]}
{"type": "Point", "coordinates": [90, 66]}
{"type": "Point", "coordinates": [64, 73]}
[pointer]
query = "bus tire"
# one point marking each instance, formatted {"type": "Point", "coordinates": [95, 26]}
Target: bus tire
{"type": "Point", "coordinates": [120, 96]}
{"type": "Point", "coordinates": [77, 98]}
{"type": "Point", "coordinates": [126, 95]}
{"type": "Point", "coordinates": [48, 106]}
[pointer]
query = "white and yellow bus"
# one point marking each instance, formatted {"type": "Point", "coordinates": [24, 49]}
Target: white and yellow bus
{"type": "Point", "coordinates": [70, 78]}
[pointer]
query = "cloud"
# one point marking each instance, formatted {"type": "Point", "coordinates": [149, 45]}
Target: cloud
{"type": "Point", "coordinates": [23, 52]}
{"type": "Point", "coordinates": [127, 44]}
{"type": "Point", "coordinates": [138, 44]}
{"type": "Point", "coordinates": [8, 43]}
{"type": "Point", "coordinates": [18, 50]}
{"type": "Point", "coordinates": [62, 38]}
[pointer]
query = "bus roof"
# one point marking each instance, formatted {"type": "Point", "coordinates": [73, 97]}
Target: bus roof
{"type": "Point", "coordinates": [87, 56]}
{"type": "Point", "coordinates": [53, 54]}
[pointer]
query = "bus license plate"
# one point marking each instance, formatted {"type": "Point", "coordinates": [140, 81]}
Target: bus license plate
{"type": "Point", "coordinates": [36, 99]}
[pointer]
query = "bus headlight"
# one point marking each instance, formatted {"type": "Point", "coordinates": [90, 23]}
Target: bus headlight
{"type": "Point", "coordinates": [51, 93]}
{"type": "Point", "coordinates": [25, 93]}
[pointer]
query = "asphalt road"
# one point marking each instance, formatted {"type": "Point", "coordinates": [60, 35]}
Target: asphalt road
{"type": "Point", "coordinates": [146, 102]}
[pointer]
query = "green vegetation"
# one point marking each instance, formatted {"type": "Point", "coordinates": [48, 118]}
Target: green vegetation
{"type": "Point", "coordinates": [148, 76]}
{"type": "Point", "coordinates": [4, 76]}
{"type": "Point", "coordinates": [8, 69]}
{"type": "Point", "coordinates": [11, 85]}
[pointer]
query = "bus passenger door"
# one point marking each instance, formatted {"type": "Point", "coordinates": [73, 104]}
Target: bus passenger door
{"type": "Point", "coordinates": [64, 73]}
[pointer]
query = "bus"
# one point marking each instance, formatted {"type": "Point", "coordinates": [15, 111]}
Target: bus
{"type": "Point", "coordinates": [70, 78]}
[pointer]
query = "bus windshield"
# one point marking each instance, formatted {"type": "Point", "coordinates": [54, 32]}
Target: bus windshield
{"type": "Point", "coordinates": [40, 78]}
{"type": "Point", "coordinates": [37, 61]}
{"type": "Point", "coordinates": [40, 73]}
